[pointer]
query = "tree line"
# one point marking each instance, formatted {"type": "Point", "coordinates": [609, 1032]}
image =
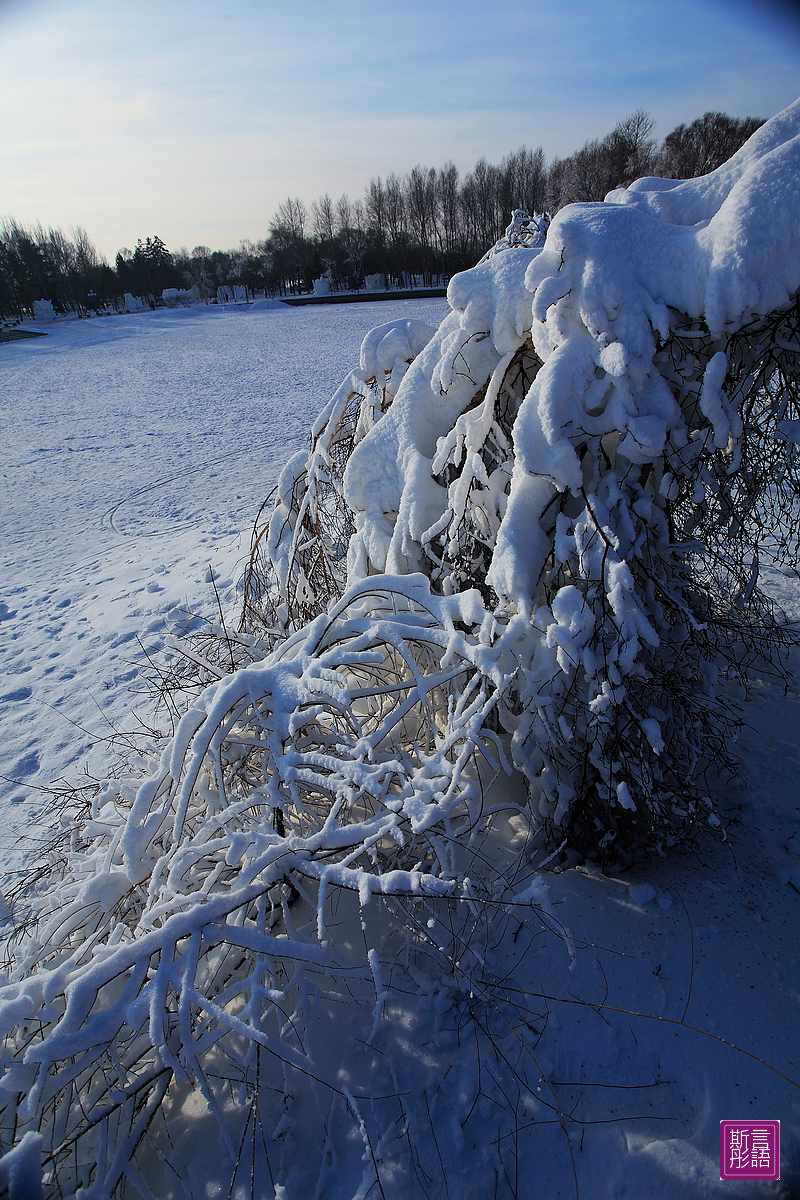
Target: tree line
{"type": "Point", "coordinates": [419, 228]}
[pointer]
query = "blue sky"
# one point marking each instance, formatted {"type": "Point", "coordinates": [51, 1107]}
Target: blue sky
{"type": "Point", "coordinates": [194, 119]}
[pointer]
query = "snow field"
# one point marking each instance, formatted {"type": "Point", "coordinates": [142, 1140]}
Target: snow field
{"type": "Point", "coordinates": [135, 453]}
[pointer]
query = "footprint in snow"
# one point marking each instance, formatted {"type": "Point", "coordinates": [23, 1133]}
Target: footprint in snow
{"type": "Point", "coordinates": [27, 765]}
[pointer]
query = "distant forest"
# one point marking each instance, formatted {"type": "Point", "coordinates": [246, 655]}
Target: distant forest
{"type": "Point", "coordinates": [418, 229]}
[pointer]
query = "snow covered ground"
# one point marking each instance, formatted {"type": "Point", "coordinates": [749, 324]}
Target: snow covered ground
{"type": "Point", "coordinates": [136, 451]}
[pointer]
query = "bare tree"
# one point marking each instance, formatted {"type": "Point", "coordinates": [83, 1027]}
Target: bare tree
{"type": "Point", "coordinates": [396, 220]}
{"type": "Point", "coordinates": [630, 149]}
{"type": "Point", "coordinates": [524, 182]}
{"type": "Point", "coordinates": [287, 234]}
{"type": "Point", "coordinates": [447, 210]}
{"type": "Point", "coordinates": [421, 201]}
{"type": "Point", "coordinates": [604, 164]}
{"type": "Point", "coordinates": [375, 203]}
{"type": "Point", "coordinates": [481, 206]}
{"type": "Point", "coordinates": [344, 214]}
{"type": "Point", "coordinates": [290, 221]}
{"type": "Point", "coordinates": [323, 219]}
{"type": "Point", "coordinates": [696, 149]}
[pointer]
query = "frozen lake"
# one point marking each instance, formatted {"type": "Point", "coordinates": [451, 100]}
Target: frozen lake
{"type": "Point", "coordinates": [135, 451]}
{"type": "Point", "coordinates": [123, 422]}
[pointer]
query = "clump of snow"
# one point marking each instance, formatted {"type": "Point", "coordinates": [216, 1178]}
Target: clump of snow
{"type": "Point", "coordinates": [232, 294]}
{"type": "Point", "coordinates": [185, 296]}
{"type": "Point", "coordinates": [524, 230]}
{"type": "Point", "coordinates": [43, 310]}
{"type": "Point", "coordinates": [20, 1168]}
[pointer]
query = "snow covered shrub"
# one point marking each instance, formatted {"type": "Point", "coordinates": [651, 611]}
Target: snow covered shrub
{"type": "Point", "coordinates": [529, 540]}
{"type": "Point", "coordinates": [298, 561]}
{"type": "Point", "coordinates": [192, 929]}
{"type": "Point", "coordinates": [599, 439]}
